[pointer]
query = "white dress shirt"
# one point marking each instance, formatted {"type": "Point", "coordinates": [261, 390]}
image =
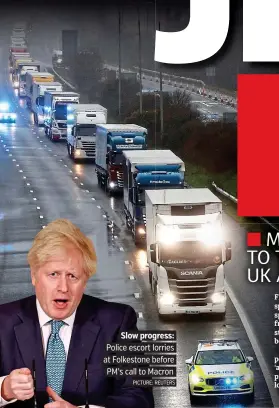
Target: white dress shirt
{"type": "Point", "coordinates": [65, 334]}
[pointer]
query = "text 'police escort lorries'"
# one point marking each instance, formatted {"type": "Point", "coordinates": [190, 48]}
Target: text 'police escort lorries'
{"type": "Point", "coordinates": [142, 348]}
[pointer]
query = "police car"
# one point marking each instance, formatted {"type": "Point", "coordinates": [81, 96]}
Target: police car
{"type": "Point", "coordinates": [220, 368]}
{"type": "Point", "coordinates": [6, 116]}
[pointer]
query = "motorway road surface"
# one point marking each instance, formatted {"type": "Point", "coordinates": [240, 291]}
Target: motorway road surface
{"type": "Point", "coordinates": [39, 183]}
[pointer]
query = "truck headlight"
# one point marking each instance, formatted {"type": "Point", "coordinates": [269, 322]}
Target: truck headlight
{"type": "Point", "coordinates": [218, 297]}
{"type": "Point", "coordinates": [111, 184]}
{"type": "Point", "coordinates": [167, 299]}
{"type": "Point", "coordinates": [77, 152]}
{"type": "Point", "coordinates": [195, 379]}
{"type": "Point", "coordinates": [16, 84]}
{"type": "Point", "coordinates": [141, 231]}
{"type": "Point", "coordinates": [70, 117]}
{"type": "Point", "coordinates": [210, 234]}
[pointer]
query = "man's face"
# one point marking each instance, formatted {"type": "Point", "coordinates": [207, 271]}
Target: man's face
{"type": "Point", "coordinates": [60, 283]}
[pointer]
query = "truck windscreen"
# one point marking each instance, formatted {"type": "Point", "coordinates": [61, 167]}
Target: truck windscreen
{"type": "Point", "coordinates": [23, 77]}
{"type": "Point", "coordinates": [141, 191]}
{"type": "Point", "coordinates": [117, 159]}
{"type": "Point", "coordinates": [190, 254]}
{"type": "Point", "coordinates": [61, 110]}
{"type": "Point", "coordinates": [86, 131]}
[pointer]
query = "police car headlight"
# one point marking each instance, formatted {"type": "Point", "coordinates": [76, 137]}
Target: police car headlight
{"type": "Point", "coordinates": [218, 297]}
{"type": "Point", "coordinates": [195, 379]}
{"type": "Point", "coordinates": [246, 377]}
{"type": "Point", "coordinates": [167, 299]}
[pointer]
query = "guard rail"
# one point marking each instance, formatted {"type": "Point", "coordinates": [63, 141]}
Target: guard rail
{"type": "Point", "coordinates": [232, 198]}
{"type": "Point", "coordinates": [190, 84]}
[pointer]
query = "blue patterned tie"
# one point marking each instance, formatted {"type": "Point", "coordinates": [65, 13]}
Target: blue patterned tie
{"type": "Point", "coordinates": [55, 358]}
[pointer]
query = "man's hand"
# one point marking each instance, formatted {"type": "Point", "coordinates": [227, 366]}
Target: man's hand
{"type": "Point", "coordinates": [58, 402]}
{"type": "Point", "coordinates": [18, 385]}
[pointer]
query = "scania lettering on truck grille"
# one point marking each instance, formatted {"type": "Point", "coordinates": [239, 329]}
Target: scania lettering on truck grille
{"type": "Point", "coordinates": [191, 273]}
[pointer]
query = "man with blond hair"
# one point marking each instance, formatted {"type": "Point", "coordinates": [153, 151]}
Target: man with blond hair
{"type": "Point", "coordinates": [60, 328]}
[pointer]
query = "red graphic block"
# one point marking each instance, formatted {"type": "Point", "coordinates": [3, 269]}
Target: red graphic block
{"type": "Point", "coordinates": [258, 144]}
{"type": "Point", "coordinates": [254, 239]}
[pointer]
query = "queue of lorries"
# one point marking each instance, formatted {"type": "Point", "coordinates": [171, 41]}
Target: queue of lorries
{"type": "Point", "coordinates": [181, 227]}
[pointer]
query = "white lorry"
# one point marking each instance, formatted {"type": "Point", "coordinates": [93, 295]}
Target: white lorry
{"type": "Point", "coordinates": [81, 137]}
{"type": "Point", "coordinates": [186, 251]}
{"type": "Point", "coordinates": [30, 78]}
{"type": "Point", "coordinates": [56, 112]}
{"type": "Point", "coordinates": [37, 103]}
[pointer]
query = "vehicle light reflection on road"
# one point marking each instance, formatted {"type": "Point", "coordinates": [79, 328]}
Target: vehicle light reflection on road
{"type": "Point", "coordinates": [141, 260]}
{"type": "Point", "coordinates": [21, 103]}
{"type": "Point", "coordinates": [78, 169]}
{"type": "Point", "coordinates": [112, 203]}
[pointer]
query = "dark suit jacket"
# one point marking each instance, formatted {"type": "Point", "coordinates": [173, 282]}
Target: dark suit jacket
{"type": "Point", "coordinates": [97, 322]}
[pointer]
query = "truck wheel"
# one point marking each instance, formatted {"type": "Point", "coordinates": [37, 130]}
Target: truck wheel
{"type": "Point", "coordinates": [150, 277]}
{"type": "Point", "coordinates": [46, 131]}
{"type": "Point", "coordinates": [220, 316]}
{"type": "Point", "coordinates": [108, 190]}
{"type": "Point", "coordinates": [156, 297]}
{"type": "Point", "coordinates": [68, 149]}
{"type": "Point", "coordinates": [72, 152]}
{"type": "Point", "coordinates": [36, 119]}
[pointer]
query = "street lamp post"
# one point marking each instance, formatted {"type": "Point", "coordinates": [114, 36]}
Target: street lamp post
{"type": "Point", "coordinates": [140, 67]}
{"type": "Point", "coordinates": [119, 62]}
{"type": "Point", "coordinates": [161, 100]}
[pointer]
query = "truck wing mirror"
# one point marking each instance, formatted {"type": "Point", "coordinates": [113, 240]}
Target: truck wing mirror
{"type": "Point", "coordinates": [228, 251]}
{"type": "Point", "coordinates": [250, 359]}
{"type": "Point", "coordinates": [153, 255]}
{"type": "Point", "coordinates": [107, 160]}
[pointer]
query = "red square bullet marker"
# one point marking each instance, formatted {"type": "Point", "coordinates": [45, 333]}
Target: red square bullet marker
{"type": "Point", "coordinates": [253, 239]}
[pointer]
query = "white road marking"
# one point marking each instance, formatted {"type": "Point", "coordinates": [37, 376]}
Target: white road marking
{"type": "Point", "coordinates": [255, 345]}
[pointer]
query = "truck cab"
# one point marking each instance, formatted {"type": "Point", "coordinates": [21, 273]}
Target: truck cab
{"type": "Point", "coordinates": [37, 103]}
{"type": "Point", "coordinates": [186, 251]}
{"type": "Point", "coordinates": [112, 141]}
{"type": "Point", "coordinates": [81, 129]}
{"type": "Point", "coordinates": [56, 108]}
{"type": "Point", "coordinates": [145, 170]}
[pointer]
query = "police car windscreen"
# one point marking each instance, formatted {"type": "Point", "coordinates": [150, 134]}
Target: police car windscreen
{"type": "Point", "coordinates": [219, 357]}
